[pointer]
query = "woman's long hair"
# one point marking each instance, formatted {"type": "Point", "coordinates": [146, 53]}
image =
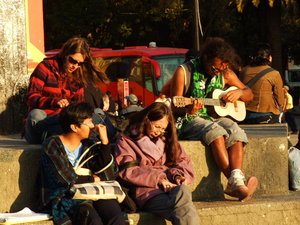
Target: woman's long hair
{"type": "Point", "coordinates": [88, 72]}
{"type": "Point", "coordinates": [139, 125]}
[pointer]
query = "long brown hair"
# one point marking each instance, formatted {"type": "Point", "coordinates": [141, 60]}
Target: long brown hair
{"type": "Point", "coordinates": [88, 73]}
{"type": "Point", "coordinates": [138, 126]}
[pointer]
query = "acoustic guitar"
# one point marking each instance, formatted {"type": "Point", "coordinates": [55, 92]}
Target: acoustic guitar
{"type": "Point", "coordinates": [236, 110]}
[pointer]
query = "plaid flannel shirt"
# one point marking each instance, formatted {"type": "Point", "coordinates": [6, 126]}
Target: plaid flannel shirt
{"type": "Point", "coordinates": [46, 88]}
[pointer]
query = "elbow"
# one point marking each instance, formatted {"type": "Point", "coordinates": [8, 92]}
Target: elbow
{"type": "Point", "coordinates": [251, 96]}
{"type": "Point", "coordinates": [248, 96]}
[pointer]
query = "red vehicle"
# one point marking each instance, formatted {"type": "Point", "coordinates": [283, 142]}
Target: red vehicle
{"type": "Point", "coordinates": [140, 70]}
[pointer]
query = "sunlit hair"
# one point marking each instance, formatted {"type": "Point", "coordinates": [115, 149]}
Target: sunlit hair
{"type": "Point", "coordinates": [139, 125]}
{"type": "Point", "coordinates": [261, 55]}
{"type": "Point", "coordinates": [75, 113]}
{"type": "Point", "coordinates": [87, 73]}
{"type": "Point", "coordinates": [215, 47]}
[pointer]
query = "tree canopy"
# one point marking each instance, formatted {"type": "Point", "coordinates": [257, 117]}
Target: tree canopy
{"type": "Point", "coordinates": [119, 23]}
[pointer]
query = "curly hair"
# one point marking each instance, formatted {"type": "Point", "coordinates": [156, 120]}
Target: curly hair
{"type": "Point", "coordinates": [139, 125]}
{"type": "Point", "coordinates": [216, 47]}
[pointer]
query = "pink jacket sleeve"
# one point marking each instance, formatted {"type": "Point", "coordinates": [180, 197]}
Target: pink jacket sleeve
{"type": "Point", "coordinates": [142, 175]}
{"type": "Point", "coordinates": [183, 168]}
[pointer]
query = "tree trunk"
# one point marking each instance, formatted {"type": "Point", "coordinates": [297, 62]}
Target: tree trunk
{"type": "Point", "coordinates": [274, 34]}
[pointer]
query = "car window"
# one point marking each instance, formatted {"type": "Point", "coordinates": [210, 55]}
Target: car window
{"type": "Point", "coordinates": [168, 65]}
{"type": "Point", "coordinates": [121, 67]}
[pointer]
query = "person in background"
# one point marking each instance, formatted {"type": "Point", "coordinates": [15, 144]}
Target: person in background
{"type": "Point", "coordinates": [268, 90]}
{"type": "Point", "coordinates": [132, 106]}
{"type": "Point", "coordinates": [198, 78]}
{"type": "Point", "coordinates": [55, 83]}
{"type": "Point", "coordinates": [291, 117]}
{"type": "Point", "coordinates": [164, 99]}
{"type": "Point", "coordinates": [112, 109]}
{"type": "Point", "coordinates": [59, 155]}
{"type": "Point", "coordinates": [287, 114]}
{"type": "Point", "coordinates": [156, 166]}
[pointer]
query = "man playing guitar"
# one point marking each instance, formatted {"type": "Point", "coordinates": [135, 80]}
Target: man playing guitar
{"type": "Point", "coordinates": [199, 78]}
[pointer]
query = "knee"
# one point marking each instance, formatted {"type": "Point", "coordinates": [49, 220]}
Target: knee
{"type": "Point", "coordinates": [184, 193]}
{"type": "Point", "coordinates": [37, 115]}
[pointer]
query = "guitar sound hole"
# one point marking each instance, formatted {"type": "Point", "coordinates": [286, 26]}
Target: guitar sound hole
{"type": "Point", "coordinates": [222, 103]}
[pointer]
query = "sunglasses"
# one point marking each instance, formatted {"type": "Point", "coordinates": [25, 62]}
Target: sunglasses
{"type": "Point", "coordinates": [216, 70]}
{"type": "Point", "coordinates": [74, 61]}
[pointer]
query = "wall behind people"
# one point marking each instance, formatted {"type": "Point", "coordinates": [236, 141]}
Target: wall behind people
{"type": "Point", "coordinates": [13, 69]}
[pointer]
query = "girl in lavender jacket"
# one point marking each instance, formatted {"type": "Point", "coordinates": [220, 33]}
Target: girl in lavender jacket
{"type": "Point", "coordinates": [156, 165]}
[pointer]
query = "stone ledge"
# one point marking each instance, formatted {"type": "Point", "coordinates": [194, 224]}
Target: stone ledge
{"type": "Point", "coordinates": [275, 210]}
{"type": "Point", "coordinates": [266, 158]}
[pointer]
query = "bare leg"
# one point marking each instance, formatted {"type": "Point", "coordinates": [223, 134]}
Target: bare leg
{"type": "Point", "coordinates": [236, 154]}
{"type": "Point", "coordinates": [221, 155]}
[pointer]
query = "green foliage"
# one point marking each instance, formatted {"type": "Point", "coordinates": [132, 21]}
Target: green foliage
{"type": "Point", "coordinates": [119, 23]}
{"type": "Point", "coordinates": [111, 23]}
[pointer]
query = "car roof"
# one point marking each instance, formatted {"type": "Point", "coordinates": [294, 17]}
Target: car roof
{"type": "Point", "coordinates": [134, 51]}
{"type": "Point", "coordinates": [139, 51]}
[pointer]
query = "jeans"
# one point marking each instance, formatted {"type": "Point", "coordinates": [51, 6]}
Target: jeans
{"type": "Point", "coordinates": [207, 131]}
{"type": "Point", "coordinates": [100, 212]}
{"type": "Point", "coordinates": [175, 205]}
{"type": "Point", "coordinates": [100, 117]}
{"type": "Point", "coordinates": [39, 126]}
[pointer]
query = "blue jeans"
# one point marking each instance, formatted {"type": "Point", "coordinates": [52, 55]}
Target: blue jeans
{"type": "Point", "coordinates": [100, 117]}
{"type": "Point", "coordinates": [175, 205]}
{"type": "Point", "coordinates": [208, 131]}
{"type": "Point", "coordinates": [39, 126]}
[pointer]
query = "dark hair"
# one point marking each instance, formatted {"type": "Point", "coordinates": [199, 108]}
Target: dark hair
{"type": "Point", "coordinates": [75, 113]}
{"type": "Point", "coordinates": [139, 125]}
{"type": "Point", "coordinates": [261, 55]}
{"type": "Point", "coordinates": [215, 47]}
{"type": "Point", "coordinates": [191, 54]}
{"type": "Point", "coordinates": [88, 73]}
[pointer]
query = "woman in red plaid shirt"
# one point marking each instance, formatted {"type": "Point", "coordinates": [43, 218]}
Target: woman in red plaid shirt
{"type": "Point", "coordinates": [55, 83]}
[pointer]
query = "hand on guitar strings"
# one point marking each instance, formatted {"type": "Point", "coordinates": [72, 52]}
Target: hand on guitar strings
{"type": "Point", "coordinates": [233, 96]}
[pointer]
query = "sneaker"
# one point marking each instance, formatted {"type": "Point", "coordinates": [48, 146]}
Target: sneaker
{"type": "Point", "coordinates": [252, 183]}
{"type": "Point", "coordinates": [237, 188]}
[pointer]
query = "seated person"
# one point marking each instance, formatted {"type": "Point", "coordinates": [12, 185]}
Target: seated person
{"type": "Point", "coordinates": [112, 105]}
{"type": "Point", "coordinates": [198, 78]}
{"type": "Point", "coordinates": [160, 168]}
{"type": "Point", "coordinates": [59, 155]}
{"type": "Point", "coordinates": [132, 106]}
{"type": "Point", "coordinates": [268, 90]}
{"type": "Point", "coordinates": [290, 113]}
{"type": "Point", "coordinates": [55, 83]}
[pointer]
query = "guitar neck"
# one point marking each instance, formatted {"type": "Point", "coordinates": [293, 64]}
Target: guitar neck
{"type": "Point", "coordinates": [207, 101]}
{"type": "Point", "coordinates": [211, 101]}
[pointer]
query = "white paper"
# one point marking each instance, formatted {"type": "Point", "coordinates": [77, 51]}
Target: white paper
{"type": "Point", "coordinates": [25, 215]}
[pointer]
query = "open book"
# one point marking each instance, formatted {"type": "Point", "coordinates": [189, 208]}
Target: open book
{"type": "Point", "coordinates": [23, 216]}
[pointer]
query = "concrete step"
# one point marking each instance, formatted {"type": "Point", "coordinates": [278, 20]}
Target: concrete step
{"type": "Point", "coordinates": [275, 210]}
{"type": "Point", "coordinates": [265, 157]}
{"type": "Point", "coordinates": [265, 130]}
{"type": "Point", "coordinates": [267, 210]}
